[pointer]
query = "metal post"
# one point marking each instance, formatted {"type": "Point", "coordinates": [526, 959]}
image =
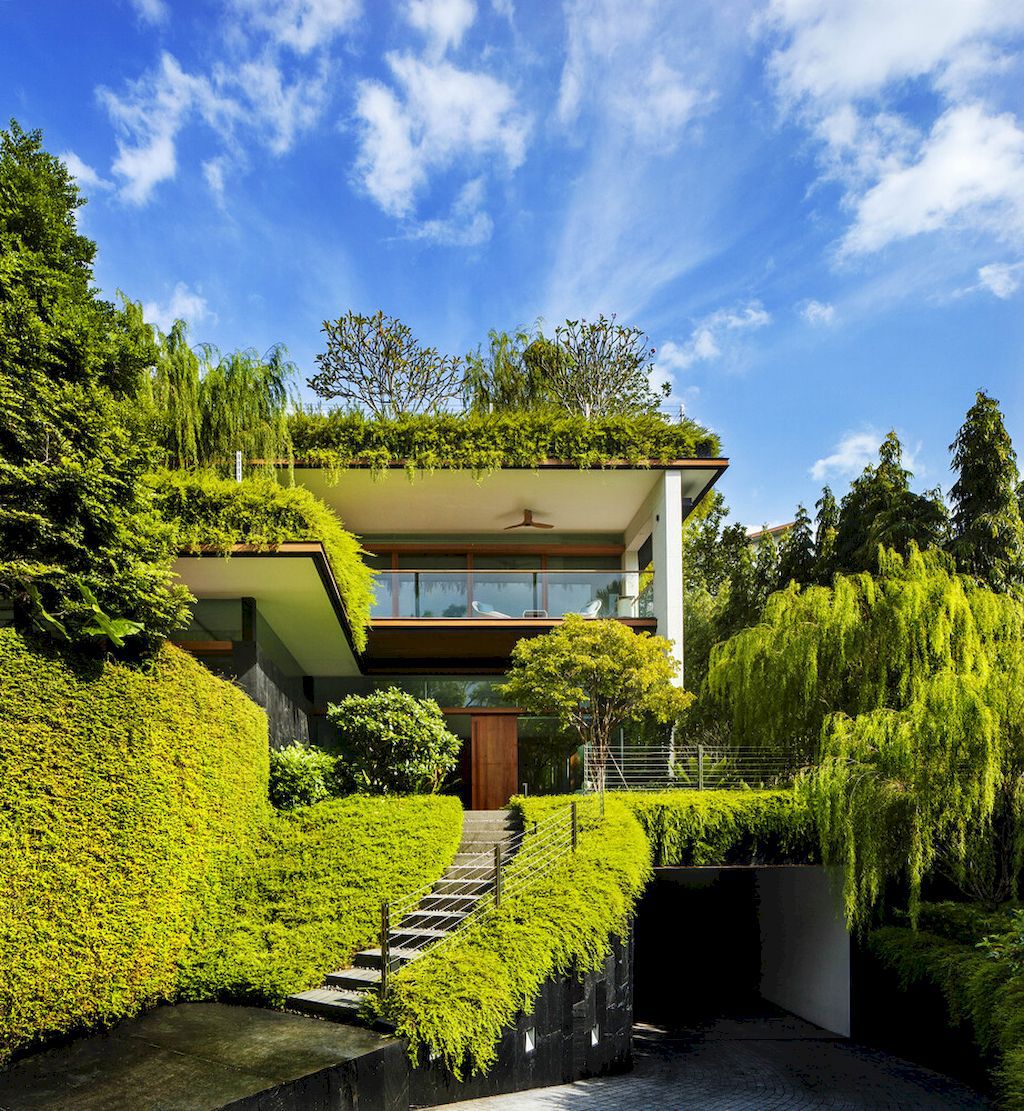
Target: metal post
{"type": "Point", "coordinates": [575, 826]}
{"type": "Point", "coordinates": [238, 466]}
{"type": "Point", "coordinates": [385, 946]}
{"type": "Point", "coordinates": [534, 829]}
{"type": "Point", "coordinates": [700, 767]}
{"type": "Point", "coordinates": [497, 875]}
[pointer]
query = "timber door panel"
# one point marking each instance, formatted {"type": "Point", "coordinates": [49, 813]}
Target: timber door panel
{"type": "Point", "coordinates": [495, 760]}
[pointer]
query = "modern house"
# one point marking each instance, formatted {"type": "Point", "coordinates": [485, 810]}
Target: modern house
{"type": "Point", "coordinates": [466, 566]}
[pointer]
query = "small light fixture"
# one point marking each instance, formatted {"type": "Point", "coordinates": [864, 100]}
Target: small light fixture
{"type": "Point", "coordinates": [595, 1034]}
{"type": "Point", "coordinates": [529, 1040]}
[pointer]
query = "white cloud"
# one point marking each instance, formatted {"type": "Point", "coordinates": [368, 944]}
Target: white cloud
{"type": "Point", "coordinates": [439, 116]}
{"type": "Point", "coordinates": [283, 110]}
{"type": "Point", "coordinates": [152, 11]}
{"type": "Point", "coordinates": [83, 173]}
{"type": "Point", "coordinates": [852, 454]}
{"type": "Point", "coordinates": [301, 25]}
{"type": "Point", "coordinates": [467, 226]}
{"type": "Point", "coordinates": [183, 304]}
{"type": "Point", "coordinates": [444, 22]}
{"type": "Point", "coordinates": [1002, 278]}
{"type": "Point", "coordinates": [708, 336]}
{"type": "Point", "coordinates": [818, 312]}
{"type": "Point", "coordinates": [970, 171]}
{"type": "Point", "coordinates": [148, 118]}
{"type": "Point", "coordinates": [214, 170]}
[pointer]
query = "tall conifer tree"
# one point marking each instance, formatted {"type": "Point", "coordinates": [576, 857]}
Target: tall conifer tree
{"type": "Point", "coordinates": [796, 552]}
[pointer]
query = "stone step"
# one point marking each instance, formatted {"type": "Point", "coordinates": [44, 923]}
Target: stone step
{"type": "Point", "coordinates": [447, 902]}
{"type": "Point", "coordinates": [431, 919]}
{"type": "Point", "coordinates": [415, 936]}
{"type": "Point", "coordinates": [463, 885]}
{"type": "Point", "coordinates": [370, 958]}
{"type": "Point", "coordinates": [329, 1003]}
{"type": "Point", "coordinates": [354, 979]}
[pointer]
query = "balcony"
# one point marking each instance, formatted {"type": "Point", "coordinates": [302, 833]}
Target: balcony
{"type": "Point", "coordinates": [468, 621]}
{"type": "Point", "coordinates": [511, 595]}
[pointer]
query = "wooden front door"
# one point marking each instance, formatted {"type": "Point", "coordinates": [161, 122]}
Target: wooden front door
{"type": "Point", "coordinates": [495, 760]}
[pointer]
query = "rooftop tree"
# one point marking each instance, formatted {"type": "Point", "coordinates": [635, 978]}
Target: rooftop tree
{"type": "Point", "coordinates": [796, 552]}
{"type": "Point", "coordinates": [81, 553]}
{"type": "Point", "coordinates": [595, 676]}
{"type": "Point", "coordinates": [375, 363]}
{"type": "Point", "coordinates": [987, 532]}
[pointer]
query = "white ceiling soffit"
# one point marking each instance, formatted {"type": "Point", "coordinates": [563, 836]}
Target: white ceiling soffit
{"type": "Point", "coordinates": [456, 502]}
{"type": "Point", "coordinates": [289, 594]}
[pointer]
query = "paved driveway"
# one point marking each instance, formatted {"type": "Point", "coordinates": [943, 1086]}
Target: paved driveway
{"type": "Point", "coordinates": [765, 1063]}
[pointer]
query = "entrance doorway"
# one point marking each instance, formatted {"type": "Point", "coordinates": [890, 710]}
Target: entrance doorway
{"type": "Point", "coordinates": [494, 760]}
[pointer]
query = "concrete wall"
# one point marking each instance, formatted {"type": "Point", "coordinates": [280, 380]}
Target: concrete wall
{"type": "Point", "coordinates": [805, 946]}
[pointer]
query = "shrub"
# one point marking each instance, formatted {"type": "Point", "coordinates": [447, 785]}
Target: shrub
{"type": "Point", "coordinates": [454, 1001]}
{"type": "Point", "coordinates": [312, 898]}
{"type": "Point", "coordinates": [393, 742]}
{"type": "Point", "coordinates": [299, 775]}
{"type": "Point", "coordinates": [217, 513]}
{"type": "Point", "coordinates": [129, 802]}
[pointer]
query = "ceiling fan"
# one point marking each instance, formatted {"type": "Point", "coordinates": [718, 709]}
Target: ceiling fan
{"type": "Point", "coordinates": [527, 522]}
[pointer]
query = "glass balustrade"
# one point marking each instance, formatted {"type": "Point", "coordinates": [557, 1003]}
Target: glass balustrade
{"type": "Point", "coordinates": [510, 595]}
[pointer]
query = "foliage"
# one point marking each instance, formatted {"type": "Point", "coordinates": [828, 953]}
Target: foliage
{"type": "Point", "coordinates": [376, 364]}
{"type": "Point", "coordinates": [796, 552]}
{"type": "Point", "coordinates": [300, 775]}
{"type": "Point", "coordinates": [506, 379]}
{"type": "Point", "coordinates": [826, 529]}
{"type": "Point", "coordinates": [73, 447]}
{"type": "Point", "coordinates": [881, 511]}
{"type": "Point", "coordinates": [215, 513]}
{"type": "Point", "coordinates": [486, 442]}
{"type": "Point", "coordinates": [594, 676]}
{"type": "Point", "coordinates": [454, 1001]}
{"type": "Point", "coordinates": [985, 994]}
{"type": "Point", "coordinates": [207, 408]}
{"type": "Point", "coordinates": [312, 896]}
{"type": "Point", "coordinates": [392, 742]}
{"type": "Point", "coordinates": [907, 688]}
{"type": "Point", "coordinates": [701, 828]}
{"type": "Point", "coordinates": [987, 532]}
{"type": "Point", "coordinates": [128, 800]}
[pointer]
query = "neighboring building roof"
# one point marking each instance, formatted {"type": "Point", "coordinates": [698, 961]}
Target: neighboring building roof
{"type": "Point", "coordinates": [775, 530]}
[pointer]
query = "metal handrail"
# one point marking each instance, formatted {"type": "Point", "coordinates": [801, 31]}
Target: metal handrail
{"type": "Point", "coordinates": [689, 767]}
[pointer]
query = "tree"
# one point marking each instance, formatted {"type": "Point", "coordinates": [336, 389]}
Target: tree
{"type": "Point", "coordinates": [81, 553]}
{"type": "Point", "coordinates": [598, 368]}
{"type": "Point", "coordinates": [987, 532]}
{"type": "Point", "coordinates": [827, 526]}
{"type": "Point", "coordinates": [508, 378]}
{"type": "Point", "coordinates": [392, 742]}
{"type": "Point", "coordinates": [796, 553]}
{"type": "Point", "coordinates": [881, 511]}
{"type": "Point", "coordinates": [903, 690]}
{"type": "Point", "coordinates": [376, 364]}
{"type": "Point", "coordinates": [595, 676]}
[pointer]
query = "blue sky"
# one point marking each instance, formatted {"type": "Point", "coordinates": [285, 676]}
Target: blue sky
{"type": "Point", "coordinates": [815, 208]}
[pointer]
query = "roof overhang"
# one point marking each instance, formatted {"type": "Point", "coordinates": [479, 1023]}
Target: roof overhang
{"type": "Point", "coordinates": [294, 590]}
{"type": "Point", "coordinates": [600, 500]}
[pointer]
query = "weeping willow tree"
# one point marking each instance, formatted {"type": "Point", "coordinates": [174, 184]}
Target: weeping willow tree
{"type": "Point", "coordinates": [209, 405]}
{"type": "Point", "coordinates": [903, 692]}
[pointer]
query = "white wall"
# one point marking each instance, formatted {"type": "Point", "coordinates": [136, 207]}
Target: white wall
{"type": "Point", "coordinates": [805, 946]}
{"type": "Point", "coordinates": [667, 554]}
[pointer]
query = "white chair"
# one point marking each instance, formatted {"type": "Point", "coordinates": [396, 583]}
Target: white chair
{"type": "Point", "coordinates": [591, 609]}
{"type": "Point", "coordinates": [481, 609]}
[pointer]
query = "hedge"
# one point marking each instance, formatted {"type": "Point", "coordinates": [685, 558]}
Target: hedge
{"type": "Point", "coordinates": [313, 898]}
{"type": "Point", "coordinates": [487, 442]}
{"type": "Point", "coordinates": [694, 828]}
{"type": "Point", "coordinates": [985, 994]}
{"type": "Point", "coordinates": [129, 800]}
{"type": "Point", "coordinates": [454, 1001]}
{"type": "Point", "coordinates": [212, 512]}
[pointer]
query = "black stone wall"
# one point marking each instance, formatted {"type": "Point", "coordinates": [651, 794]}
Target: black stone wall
{"type": "Point", "coordinates": [581, 1026]}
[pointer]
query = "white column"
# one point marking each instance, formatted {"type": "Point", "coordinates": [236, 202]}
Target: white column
{"type": "Point", "coordinates": [631, 580]}
{"type": "Point", "coordinates": [667, 543]}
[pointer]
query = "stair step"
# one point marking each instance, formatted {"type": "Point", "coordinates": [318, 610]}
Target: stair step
{"type": "Point", "coordinates": [339, 1006]}
{"type": "Point", "coordinates": [416, 936]}
{"type": "Point", "coordinates": [444, 920]}
{"type": "Point", "coordinates": [448, 903]}
{"type": "Point", "coordinates": [354, 979]}
{"type": "Point", "coordinates": [370, 958]}
{"type": "Point", "coordinates": [462, 885]}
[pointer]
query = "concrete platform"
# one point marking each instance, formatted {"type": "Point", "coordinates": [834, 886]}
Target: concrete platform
{"type": "Point", "coordinates": [207, 1056]}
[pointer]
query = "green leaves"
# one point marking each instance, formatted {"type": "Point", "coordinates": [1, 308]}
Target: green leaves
{"type": "Point", "coordinates": [115, 629]}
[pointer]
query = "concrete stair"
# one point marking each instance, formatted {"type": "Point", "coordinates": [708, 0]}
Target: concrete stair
{"type": "Point", "coordinates": [468, 879]}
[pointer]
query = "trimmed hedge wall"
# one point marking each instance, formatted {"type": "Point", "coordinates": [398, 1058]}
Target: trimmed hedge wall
{"type": "Point", "coordinates": [313, 897]}
{"type": "Point", "coordinates": [128, 801]}
{"type": "Point", "coordinates": [725, 827]}
{"type": "Point", "coordinates": [488, 441]}
{"type": "Point", "coordinates": [212, 512]}
{"type": "Point", "coordinates": [455, 1000]}
{"type": "Point", "coordinates": [984, 994]}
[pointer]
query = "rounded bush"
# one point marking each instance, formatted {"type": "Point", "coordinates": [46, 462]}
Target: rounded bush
{"type": "Point", "coordinates": [300, 775]}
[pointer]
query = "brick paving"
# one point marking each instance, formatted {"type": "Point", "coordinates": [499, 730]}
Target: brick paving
{"type": "Point", "coordinates": [769, 1062]}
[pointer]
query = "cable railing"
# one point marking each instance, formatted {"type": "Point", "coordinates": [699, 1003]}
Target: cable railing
{"type": "Point", "coordinates": [428, 918]}
{"type": "Point", "coordinates": [697, 767]}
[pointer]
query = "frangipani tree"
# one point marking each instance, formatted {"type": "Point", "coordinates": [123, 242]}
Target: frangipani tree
{"type": "Point", "coordinates": [595, 676]}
